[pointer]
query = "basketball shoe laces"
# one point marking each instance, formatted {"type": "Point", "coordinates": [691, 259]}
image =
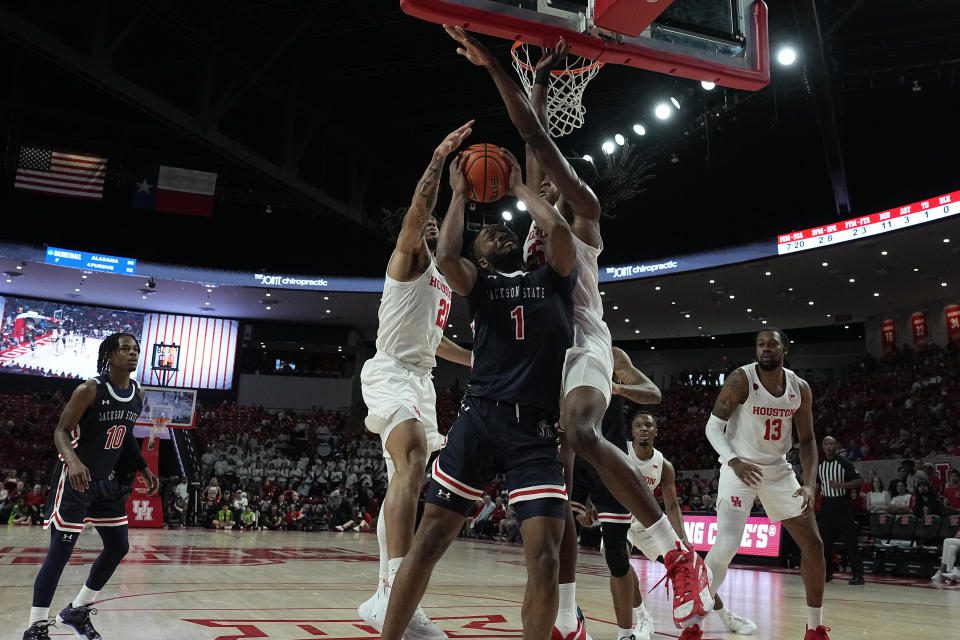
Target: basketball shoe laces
{"type": "Point", "coordinates": [43, 629]}
{"type": "Point", "coordinates": [85, 625]}
{"type": "Point", "coordinates": [678, 574]}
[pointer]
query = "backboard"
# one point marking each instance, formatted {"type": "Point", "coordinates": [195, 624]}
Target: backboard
{"type": "Point", "coordinates": [177, 405]}
{"type": "Point", "coordinates": [721, 41]}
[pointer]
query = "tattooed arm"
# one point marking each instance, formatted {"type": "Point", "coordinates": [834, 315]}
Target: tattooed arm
{"type": "Point", "coordinates": [630, 382]}
{"type": "Point", "coordinates": [407, 262]}
{"type": "Point", "coordinates": [733, 394]}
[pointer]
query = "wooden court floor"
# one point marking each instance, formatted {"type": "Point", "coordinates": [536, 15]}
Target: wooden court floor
{"type": "Point", "coordinates": [208, 585]}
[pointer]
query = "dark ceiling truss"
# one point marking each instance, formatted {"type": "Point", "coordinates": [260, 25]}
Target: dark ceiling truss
{"type": "Point", "coordinates": [304, 125]}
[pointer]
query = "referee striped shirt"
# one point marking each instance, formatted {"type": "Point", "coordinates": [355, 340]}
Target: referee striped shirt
{"type": "Point", "coordinates": [836, 471]}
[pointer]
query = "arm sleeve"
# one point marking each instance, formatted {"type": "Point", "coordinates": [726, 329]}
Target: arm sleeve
{"type": "Point", "coordinates": [716, 434]}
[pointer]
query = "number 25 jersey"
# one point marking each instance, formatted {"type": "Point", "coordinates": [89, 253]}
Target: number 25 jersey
{"type": "Point", "coordinates": [761, 429]}
{"type": "Point", "coordinates": [98, 437]}
{"type": "Point", "coordinates": [523, 326]}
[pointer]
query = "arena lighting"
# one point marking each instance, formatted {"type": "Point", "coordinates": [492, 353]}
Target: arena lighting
{"type": "Point", "coordinates": [852, 280]}
{"type": "Point", "coordinates": [608, 147]}
{"type": "Point", "coordinates": [268, 294]}
{"type": "Point", "coordinates": [787, 56]}
{"type": "Point", "coordinates": [639, 130]}
{"type": "Point", "coordinates": [662, 111]}
{"type": "Point", "coordinates": [506, 215]}
{"type": "Point", "coordinates": [945, 240]}
{"type": "Point", "coordinates": [768, 273]}
{"type": "Point", "coordinates": [749, 310]}
{"type": "Point", "coordinates": [876, 294]}
{"type": "Point", "coordinates": [686, 315]}
{"type": "Point", "coordinates": [626, 319]}
{"type": "Point", "coordinates": [521, 206]}
{"type": "Point", "coordinates": [712, 281]}
{"type": "Point", "coordinates": [619, 139]}
{"type": "Point", "coordinates": [883, 253]}
{"type": "Point", "coordinates": [707, 85]}
{"type": "Point", "coordinates": [810, 303]}
{"type": "Point", "coordinates": [267, 307]}
{"type": "Point", "coordinates": [943, 284]}
{"type": "Point", "coordinates": [636, 330]}
{"type": "Point", "coordinates": [616, 308]}
{"type": "Point", "coordinates": [588, 157]}
{"type": "Point", "coordinates": [675, 102]}
{"type": "Point", "coordinates": [824, 264]}
{"type": "Point", "coordinates": [657, 288]}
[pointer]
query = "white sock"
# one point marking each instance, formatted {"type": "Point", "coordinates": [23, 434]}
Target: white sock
{"type": "Point", "coordinates": [85, 597]}
{"type": "Point", "coordinates": [663, 535]}
{"type": "Point", "coordinates": [382, 542]}
{"type": "Point", "coordinates": [814, 617]}
{"type": "Point", "coordinates": [641, 612]}
{"type": "Point", "coordinates": [39, 614]}
{"type": "Point", "coordinates": [624, 633]}
{"type": "Point", "coordinates": [393, 565]}
{"type": "Point", "coordinates": [567, 612]}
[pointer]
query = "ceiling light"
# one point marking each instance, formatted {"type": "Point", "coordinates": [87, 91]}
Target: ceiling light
{"type": "Point", "coordinates": [732, 296]}
{"type": "Point", "coordinates": [852, 280]}
{"type": "Point", "coordinates": [327, 311]}
{"type": "Point", "coordinates": [77, 290]}
{"type": "Point", "coordinates": [810, 303]}
{"type": "Point", "coordinates": [943, 284]}
{"type": "Point", "coordinates": [619, 139]}
{"type": "Point", "coordinates": [824, 264]}
{"type": "Point", "coordinates": [454, 335]}
{"type": "Point", "coordinates": [713, 337]}
{"type": "Point", "coordinates": [652, 348]}
{"type": "Point", "coordinates": [209, 290]}
{"type": "Point", "coordinates": [207, 303]}
{"type": "Point", "coordinates": [615, 307]}
{"type": "Point", "coordinates": [521, 205]}
{"type": "Point", "coordinates": [787, 56]}
{"type": "Point", "coordinates": [656, 288]}
{"type": "Point", "coordinates": [763, 322]}
{"type": "Point", "coordinates": [83, 277]}
{"type": "Point", "coordinates": [662, 111]}
{"type": "Point", "coordinates": [603, 293]}
{"type": "Point", "coordinates": [789, 288]}
{"type": "Point", "coordinates": [20, 267]}
{"type": "Point", "coordinates": [301, 348]}
{"type": "Point", "coordinates": [846, 326]}
{"type": "Point", "coordinates": [608, 147]}
{"type": "Point", "coordinates": [686, 315]}
{"type": "Point", "coordinates": [749, 309]}
{"type": "Point", "coordinates": [699, 327]}
{"type": "Point", "coordinates": [712, 281]}
{"type": "Point", "coordinates": [626, 319]}
{"type": "Point", "coordinates": [768, 273]}
{"type": "Point", "coordinates": [506, 215]}
{"type": "Point", "coordinates": [945, 240]}
{"type": "Point", "coordinates": [328, 297]}
{"type": "Point", "coordinates": [588, 157]}
{"type": "Point", "coordinates": [639, 129]}
{"type": "Point", "coordinates": [636, 330]}
{"type": "Point", "coordinates": [267, 307]}
{"type": "Point", "coordinates": [676, 103]}
{"type": "Point", "coordinates": [883, 253]}
{"type": "Point", "coordinates": [876, 294]}
{"type": "Point", "coordinates": [144, 297]}
{"type": "Point", "coordinates": [916, 269]}
{"type": "Point", "coordinates": [674, 302]}
{"type": "Point", "coordinates": [828, 315]}
{"type": "Point", "coordinates": [707, 85]}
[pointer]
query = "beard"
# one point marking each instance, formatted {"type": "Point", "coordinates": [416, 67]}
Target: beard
{"type": "Point", "coordinates": [771, 366]}
{"type": "Point", "coordinates": [506, 262]}
{"type": "Point", "coordinates": [432, 244]}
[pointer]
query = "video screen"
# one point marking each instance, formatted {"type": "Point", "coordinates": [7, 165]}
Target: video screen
{"type": "Point", "coordinates": [62, 340]}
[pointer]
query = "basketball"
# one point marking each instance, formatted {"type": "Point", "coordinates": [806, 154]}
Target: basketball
{"type": "Point", "coordinates": [487, 173]}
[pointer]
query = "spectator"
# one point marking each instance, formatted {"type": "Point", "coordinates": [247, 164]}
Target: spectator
{"type": "Point", "coordinates": [903, 501]}
{"type": "Point", "coordinates": [467, 530]}
{"type": "Point", "coordinates": [508, 525]}
{"type": "Point", "coordinates": [224, 519]}
{"type": "Point", "coordinates": [36, 500]}
{"type": "Point", "coordinates": [926, 501]}
{"type": "Point", "coordinates": [485, 527]}
{"type": "Point", "coordinates": [182, 490]}
{"type": "Point", "coordinates": [901, 477]}
{"type": "Point", "coordinates": [877, 499]}
{"type": "Point", "coordinates": [248, 519]}
{"type": "Point", "coordinates": [707, 504]}
{"type": "Point", "coordinates": [947, 570]}
{"type": "Point", "coordinates": [274, 520]}
{"type": "Point", "coordinates": [951, 495]}
{"type": "Point", "coordinates": [293, 519]}
{"type": "Point", "coordinates": [213, 493]}
{"type": "Point", "coordinates": [174, 515]}
{"type": "Point", "coordinates": [20, 514]}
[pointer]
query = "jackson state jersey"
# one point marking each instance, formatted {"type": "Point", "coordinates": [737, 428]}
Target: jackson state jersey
{"type": "Point", "coordinates": [98, 437]}
{"type": "Point", "coordinates": [412, 318]}
{"type": "Point", "coordinates": [523, 326]}
{"type": "Point", "coordinates": [761, 429]}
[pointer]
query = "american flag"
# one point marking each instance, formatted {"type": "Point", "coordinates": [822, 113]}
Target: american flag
{"type": "Point", "coordinates": [65, 174]}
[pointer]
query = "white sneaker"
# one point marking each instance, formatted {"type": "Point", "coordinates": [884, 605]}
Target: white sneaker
{"type": "Point", "coordinates": [644, 628]}
{"type": "Point", "coordinates": [953, 576]}
{"type": "Point", "coordinates": [374, 610]}
{"type": "Point", "coordinates": [938, 576]}
{"type": "Point", "coordinates": [737, 624]}
{"type": "Point", "coordinates": [423, 628]}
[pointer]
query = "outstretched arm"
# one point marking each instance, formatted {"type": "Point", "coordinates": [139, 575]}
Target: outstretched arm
{"type": "Point", "coordinates": [460, 273]}
{"type": "Point", "coordinates": [410, 243]}
{"type": "Point", "coordinates": [450, 350]}
{"type": "Point", "coordinates": [633, 384]}
{"type": "Point", "coordinates": [561, 252]}
{"type": "Point", "coordinates": [525, 119]}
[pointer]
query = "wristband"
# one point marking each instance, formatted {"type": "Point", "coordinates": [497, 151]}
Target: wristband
{"type": "Point", "coordinates": [542, 76]}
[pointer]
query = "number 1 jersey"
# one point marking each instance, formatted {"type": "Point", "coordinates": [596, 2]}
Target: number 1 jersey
{"type": "Point", "coordinates": [412, 318]}
{"type": "Point", "coordinates": [98, 437]}
{"type": "Point", "coordinates": [761, 429]}
{"type": "Point", "coordinates": [523, 326]}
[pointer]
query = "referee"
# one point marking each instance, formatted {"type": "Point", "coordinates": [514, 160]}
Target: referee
{"type": "Point", "coordinates": [837, 476]}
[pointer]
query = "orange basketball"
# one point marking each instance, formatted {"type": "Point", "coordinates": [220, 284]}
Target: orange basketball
{"type": "Point", "coordinates": [487, 173]}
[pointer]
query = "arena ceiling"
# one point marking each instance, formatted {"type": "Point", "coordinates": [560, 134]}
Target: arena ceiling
{"type": "Point", "coordinates": [318, 114]}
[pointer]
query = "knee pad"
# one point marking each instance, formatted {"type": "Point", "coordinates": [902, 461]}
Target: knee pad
{"type": "Point", "coordinates": [615, 548]}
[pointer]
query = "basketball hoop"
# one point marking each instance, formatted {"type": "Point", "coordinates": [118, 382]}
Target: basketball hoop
{"type": "Point", "coordinates": [565, 93]}
{"type": "Point", "coordinates": [159, 424]}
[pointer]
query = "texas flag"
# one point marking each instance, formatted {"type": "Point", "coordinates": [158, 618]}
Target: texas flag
{"type": "Point", "coordinates": [175, 190]}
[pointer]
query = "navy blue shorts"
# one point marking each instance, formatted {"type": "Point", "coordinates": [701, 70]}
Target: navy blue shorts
{"type": "Point", "coordinates": [103, 504]}
{"type": "Point", "coordinates": [586, 482]}
{"type": "Point", "coordinates": [491, 437]}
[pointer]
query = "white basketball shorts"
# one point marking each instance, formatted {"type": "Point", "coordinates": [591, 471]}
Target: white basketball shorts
{"type": "Point", "coordinates": [589, 362]}
{"type": "Point", "coordinates": [639, 537]}
{"type": "Point", "coordinates": [775, 490]}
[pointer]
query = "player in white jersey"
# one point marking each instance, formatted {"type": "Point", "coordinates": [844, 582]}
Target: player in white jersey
{"type": "Point", "coordinates": [751, 428]}
{"type": "Point", "coordinates": [588, 368]}
{"type": "Point", "coordinates": [659, 472]}
{"type": "Point", "coordinates": [397, 384]}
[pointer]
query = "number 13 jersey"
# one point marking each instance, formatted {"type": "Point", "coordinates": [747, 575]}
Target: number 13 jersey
{"type": "Point", "coordinates": [761, 429]}
{"type": "Point", "coordinates": [412, 318]}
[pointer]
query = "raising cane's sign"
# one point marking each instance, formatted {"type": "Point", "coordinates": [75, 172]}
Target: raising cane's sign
{"type": "Point", "coordinates": [760, 536]}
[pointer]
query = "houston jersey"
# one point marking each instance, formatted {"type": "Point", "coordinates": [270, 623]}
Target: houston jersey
{"type": "Point", "coordinates": [651, 469]}
{"type": "Point", "coordinates": [761, 429]}
{"type": "Point", "coordinates": [523, 326]}
{"type": "Point", "coordinates": [412, 318]}
{"type": "Point", "coordinates": [98, 437]}
{"type": "Point", "coordinates": [592, 331]}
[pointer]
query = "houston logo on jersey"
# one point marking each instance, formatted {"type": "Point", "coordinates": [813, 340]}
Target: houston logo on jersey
{"type": "Point", "coordinates": [774, 412]}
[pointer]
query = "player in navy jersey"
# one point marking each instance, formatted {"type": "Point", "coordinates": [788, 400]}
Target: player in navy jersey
{"type": "Point", "coordinates": [95, 438]}
{"type": "Point", "coordinates": [523, 326]}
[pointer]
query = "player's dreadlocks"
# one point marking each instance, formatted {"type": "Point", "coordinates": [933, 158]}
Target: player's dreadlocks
{"type": "Point", "coordinates": [110, 344]}
{"type": "Point", "coordinates": [392, 221]}
{"type": "Point", "coordinates": [618, 177]}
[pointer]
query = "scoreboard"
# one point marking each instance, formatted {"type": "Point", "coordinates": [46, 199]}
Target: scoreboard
{"type": "Point", "coordinates": [874, 224]}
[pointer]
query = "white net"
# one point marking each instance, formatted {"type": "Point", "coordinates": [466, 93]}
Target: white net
{"type": "Point", "coordinates": [567, 83]}
{"type": "Point", "coordinates": [160, 417]}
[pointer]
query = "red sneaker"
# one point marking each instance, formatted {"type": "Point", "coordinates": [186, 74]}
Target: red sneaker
{"type": "Point", "coordinates": [693, 632]}
{"type": "Point", "coordinates": [820, 633]}
{"type": "Point", "coordinates": [691, 586]}
{"type": "Point", "coordinates": [580, 633]}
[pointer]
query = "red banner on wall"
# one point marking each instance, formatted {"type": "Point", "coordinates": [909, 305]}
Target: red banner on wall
{"type": "Point", "coordinates": [145, 510]}
{"type": "Point", "coordinates": [952, 313]}
{"type": "Point", "coordinates": [888, 335]}
{"type": "Point", "coordinates": [920, 329]}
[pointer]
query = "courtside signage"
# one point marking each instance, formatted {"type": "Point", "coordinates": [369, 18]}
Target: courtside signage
{"type": "Point", "coordinates": [760, 536]}
{"type": "Point", "coordinates": [91, 261]}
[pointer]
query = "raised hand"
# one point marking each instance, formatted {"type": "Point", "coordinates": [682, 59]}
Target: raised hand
{"type": "Point", "coordinates": [516, 174]}
{"type": "Point", "coordinates": [552, 57]}
{"type": "Point", "coordinates": [458, 181]}
{"type": "Point", "coordinates": [454, 139]}
{"type": "Point", "coordinates": [471, 48]}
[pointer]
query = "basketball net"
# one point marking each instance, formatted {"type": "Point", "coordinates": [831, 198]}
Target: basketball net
{"type": "Point", "coordinates": [565, 93]}
{"type": "Point", "coordinates": [159, 424]}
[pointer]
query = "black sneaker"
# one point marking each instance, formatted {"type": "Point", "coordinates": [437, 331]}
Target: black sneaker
{"type": "Point", "coordinates": [856, 580]}
{"type": "Point", "coordinates": [79, 619]}
{"type": "Point", "coordinates": [38, 631]}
